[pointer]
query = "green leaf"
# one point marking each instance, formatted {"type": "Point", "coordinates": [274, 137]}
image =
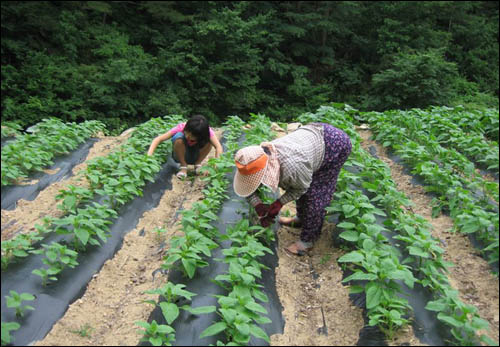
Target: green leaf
{"type": "Point", "coordinates": [346, 225]}
{"type": "Point", "coordinates": [395, 315]}
{"type": "Point", "coordinates": [27, 297]}
{"type": "Point", "coordinates": [83, 235]}
{"type": "Point", "coordinates": [156, 341]}
{"type": "Point", "coordinates": [479, 323]}
{"type": "Point", "coordinates": [70, 201]}
{"type": "Point", "coordinates": [359, 275]}
{"type": "Point", "coordinates": [202, 310]}
{"type": "Point", "coordinates": [418, 252]}
{"type": "Point", "coordinates": [214, 329]}
{"type": "Point", "coordinates": [435, 306]}
{"type": "Point", "coordinates": [253, 306]}
{"type": "Point", "coordinates": [243, 328]}
{"type": "Point", "coordinates": [229, 315]}
{"type": "Point", "coordinates": [450, 320]}
{"type": "Point", "coordinates": [368, 245]}
{"type": "Point", "coordinates": [484, 338]}
{"type": "Point", "coordinates": [350, 235]}
{"type": "Point", "coordinates": [259, 333]}
{"type": "Point", "coordinates": [354, 256]}
{"type": "Point", "coordinates": [170, 311]}
{"type": "Point", "coordinates": [189, 266]}
{"type": "Point", "coordinates": [373, 295]}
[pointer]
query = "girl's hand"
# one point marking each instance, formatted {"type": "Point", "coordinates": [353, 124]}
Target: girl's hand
{"type": "Point", "coordinates": [197, 170]}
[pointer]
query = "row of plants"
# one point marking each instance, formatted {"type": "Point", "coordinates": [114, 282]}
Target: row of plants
{"type": "Point", "coordinates": [374, 259]}
{"type": "Point", "coordinates": [86, 225]}
{"type": "Point", "coordinates": [10, 129]}
{"type": "Point", "coordinates": [470, 213]}
{"type": "Point", "coordinates": [483, 121]}
{"type": "Point", "coordinates": [128, 166]}
{"type": "Point", "coordinates": [437, 125]}
{"type": "Point", "coordinates": [421, 250]}
{"type": "Point", "coordinates": [34, 152]}
{"type": "Point", "coordinates": [239, 309]}
{"type": "Point", "coordinates": [186, 251]}
{"type": "Point", "coordinates": [120, 176]}
{"type": "Point", "coordinates": [392, 127]}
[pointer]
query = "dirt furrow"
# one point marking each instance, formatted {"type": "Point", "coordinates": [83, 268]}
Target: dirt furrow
{"type": "Point", "coordinates": [309, 288]}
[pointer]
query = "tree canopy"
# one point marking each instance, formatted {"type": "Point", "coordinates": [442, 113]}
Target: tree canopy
{"type": "Point", "coordinates": [123, 62]}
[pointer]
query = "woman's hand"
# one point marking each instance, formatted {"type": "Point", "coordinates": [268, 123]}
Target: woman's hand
{"type": "Point", "coordinates": [267, 213]}
{"type": "Point", "coordinates": [262, 210]}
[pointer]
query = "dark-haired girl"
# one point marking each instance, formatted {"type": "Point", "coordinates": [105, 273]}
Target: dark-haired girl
{"type": "Point", "coordinates": [191, 141]}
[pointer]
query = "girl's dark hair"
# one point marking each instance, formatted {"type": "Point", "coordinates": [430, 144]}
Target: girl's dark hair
{"type": "Point", "coordinates": [198, 126]}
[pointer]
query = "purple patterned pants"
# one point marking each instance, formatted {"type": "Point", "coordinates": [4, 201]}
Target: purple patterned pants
{"type": "Point", "coordinates": [311, 206]}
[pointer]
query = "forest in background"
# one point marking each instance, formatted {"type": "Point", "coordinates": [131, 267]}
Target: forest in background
{"type": "Point", "coordinates": [123, 62]}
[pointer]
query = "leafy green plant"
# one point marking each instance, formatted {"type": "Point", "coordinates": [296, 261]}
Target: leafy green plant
{"type": "Point", "coordinates": [172, 293]}
{"type": "Point", "coordinates": [462, 318]}
{"type": "Point", "coordinates": [57, 257]}
{"type": "Point", "coordinates": [156, 334]}
{"type": "Point", "coordinates": [84, 331]}
{"type": "Point", "coordinates": [86, 224]}
{"type": "Point", "coordinates": [239, 311]}
{"type": "Point", "coordinates": [7, 327]}
{"type": "Point", "coordinates": [186, 248]}
{"type": "Point", "coordinates": [15, 301]}
{"type": "Point", "coordinates": [33, 152]}
{"type": "Point", "coordinates": [18, 247]}
{"type": "Point", "coordinates": [72, 196]}
{"type": "Point", "coordinates": [158, 233]}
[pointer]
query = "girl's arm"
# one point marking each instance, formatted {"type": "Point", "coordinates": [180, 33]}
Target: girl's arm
{"type": "Point", "coordinates": [218, 147]}
{"type": "Point", "coordinates": [157, 140]}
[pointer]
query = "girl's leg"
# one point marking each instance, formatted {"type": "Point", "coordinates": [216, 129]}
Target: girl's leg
{"type": "Point", "coordinates": [203, 153]}
{"type": "Point", "coordinates": [180, 154]}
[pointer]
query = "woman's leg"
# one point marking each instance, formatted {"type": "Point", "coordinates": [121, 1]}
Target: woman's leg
{"type": "Point", "coordinates": [311, 207]}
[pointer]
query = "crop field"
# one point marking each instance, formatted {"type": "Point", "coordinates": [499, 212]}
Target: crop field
{"type": "Point", "coordinates": [118, 251]}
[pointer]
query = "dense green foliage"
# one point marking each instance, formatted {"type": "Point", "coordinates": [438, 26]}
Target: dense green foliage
{"type": "Point", "coordinates": [124, 62]}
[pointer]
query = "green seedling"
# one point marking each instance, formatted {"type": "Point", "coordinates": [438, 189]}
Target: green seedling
{"type": "Point", "coordinates": [462, 318]}
{"type": "Point", "coordinates": [18, 247]}
{"type": "Point", "coordinates": [15, 301]}
{"type": "Point", "coordinates": [84, 331]}
{"type": "Point", "coordinates": [57, 257]}
{"type": "Point", "coordinates": [72, 197]}
{"type": "Point", "coordinates": [239, 311]}
{"type": "Point", "coordinates": [7, 327]}
{"type": "Point", "coordinates": [159, 232]}
{"type": "Point", "coordinates": [156, 334]}
{"type": "Point", "coordinates": [172, 293]}
{"type": "Point", "coordinates": [325, 259]}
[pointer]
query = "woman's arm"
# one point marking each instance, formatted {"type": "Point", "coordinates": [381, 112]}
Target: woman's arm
{"type": "Point", "coordinates": [157, 140]}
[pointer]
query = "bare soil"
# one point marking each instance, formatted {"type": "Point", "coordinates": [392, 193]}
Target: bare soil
{"type": "Point", "coordinates": [309, 287]}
